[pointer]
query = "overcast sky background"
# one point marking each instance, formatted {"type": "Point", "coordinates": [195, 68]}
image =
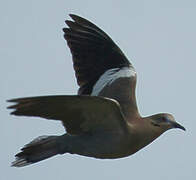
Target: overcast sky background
{"type": "Point", "coordinates": [158, 37]}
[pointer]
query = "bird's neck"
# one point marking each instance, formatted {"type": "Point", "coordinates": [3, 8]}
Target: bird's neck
{"type": "Point", "coordinates": [143, 134]}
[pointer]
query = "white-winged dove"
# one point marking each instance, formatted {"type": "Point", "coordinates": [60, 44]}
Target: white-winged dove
{"type": "Point", "coordinates": [102, 121]}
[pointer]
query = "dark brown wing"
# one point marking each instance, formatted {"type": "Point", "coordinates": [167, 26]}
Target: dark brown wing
{"type": "Point", "coordinates": [79, 114]}
{"type": "Point", "coordinates": [93, 52]}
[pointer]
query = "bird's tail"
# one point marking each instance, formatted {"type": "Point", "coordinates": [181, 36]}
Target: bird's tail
{"type": "Point", "coordinates": [39, 149]}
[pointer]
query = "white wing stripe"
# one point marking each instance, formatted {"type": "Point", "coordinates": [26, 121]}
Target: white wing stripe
{"type": "Point", "coordinates": [110, 76]}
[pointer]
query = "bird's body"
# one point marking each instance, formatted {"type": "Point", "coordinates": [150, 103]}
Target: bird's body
{"type": "Point", "coordinates": [108, 145]}
{"type": "Point", "coordinates": [102, 121]}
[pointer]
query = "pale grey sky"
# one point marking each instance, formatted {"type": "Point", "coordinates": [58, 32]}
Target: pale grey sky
{"type": "Point", "coordinates": [158, 37]}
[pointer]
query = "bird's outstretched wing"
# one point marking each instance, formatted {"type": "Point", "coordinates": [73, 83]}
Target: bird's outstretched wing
{"type": "Point", "coordinates": [93, 52]}
{"type": "Point", "coordinates": [79, 114]}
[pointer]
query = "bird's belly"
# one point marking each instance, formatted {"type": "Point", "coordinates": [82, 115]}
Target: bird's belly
{"type": "Point", "coordinates": [112, 151]}
{"type": "Point", "coordinates": [103, 146]}
{"type": "Point", "coordinates": [117, 150]}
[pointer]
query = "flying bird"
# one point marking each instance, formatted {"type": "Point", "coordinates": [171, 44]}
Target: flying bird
{"type": "Point", "coordinates": [102, 120]}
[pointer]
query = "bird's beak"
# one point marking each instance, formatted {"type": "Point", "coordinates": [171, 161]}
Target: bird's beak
{"type": "Point", "coordinates": [177, 125]}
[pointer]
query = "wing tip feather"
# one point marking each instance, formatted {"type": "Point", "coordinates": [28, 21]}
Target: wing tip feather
{"type": "Point", "coordinates": [20, 162]}
{"type": "Point", "coordinates": [72, 15]}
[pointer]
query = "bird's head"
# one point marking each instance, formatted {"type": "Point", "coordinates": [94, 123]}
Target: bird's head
{"type": "Point", "coordinates": [164, 121]}
{"type": "Point", "coordinates": [151, 127]}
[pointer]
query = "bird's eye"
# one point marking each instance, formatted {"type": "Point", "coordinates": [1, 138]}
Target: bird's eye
{"type": "Point", "coordinates": [164, 119]}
